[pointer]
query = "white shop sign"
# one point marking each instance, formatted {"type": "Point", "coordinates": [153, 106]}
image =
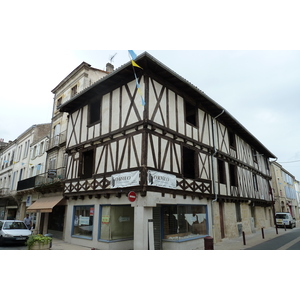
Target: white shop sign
{"type": "Point", "coordinates": [84, 220]}
{"type": "Point", "coordinates": [125, 179]}
{"type": "Point", "coordinates": [161, 180]}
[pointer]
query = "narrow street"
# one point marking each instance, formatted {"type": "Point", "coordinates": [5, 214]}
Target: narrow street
{"type": "Point", "coordinates": [288, 241]}
{"type": "Point", "coordinates": [13, 247]}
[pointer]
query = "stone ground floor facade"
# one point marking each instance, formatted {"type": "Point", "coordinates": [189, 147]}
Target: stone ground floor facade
{"type": "Point", "coordinates": [158, 222]}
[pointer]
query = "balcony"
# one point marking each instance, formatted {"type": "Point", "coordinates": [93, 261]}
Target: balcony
{"type": "Point", "coordinates": [42, 180]}
{"type": "Point", "coordinates": [26, 184]}
{"type": "Point", "coordinates": [57, 140]}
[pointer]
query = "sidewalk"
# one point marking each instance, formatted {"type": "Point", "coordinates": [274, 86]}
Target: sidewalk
{"type": "Point", "coordinates": [226, 244]}
{"type": "Point", "coordinates": [251, 239]}
{"type": "Point", "coordinates": [58, 244]}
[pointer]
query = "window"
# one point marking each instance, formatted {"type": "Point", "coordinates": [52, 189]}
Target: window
{"type": "Point", "coordinates": [184, 221]}
{"type": "Point", "coordinates": [52, 163]}
{"type": "Point", "coordinates": [87, 164]}
{"type": "Point", "coordinates": [255, 182]}
{"type": "Point", "coordinates": [190, 114]}
{"type": "Point", "coordinates": [94, 111]}
{"type": "Point", "coordinates": [189, 163]}
{"type": "Point", "coordinates": [42, 148]}
{"type": "Point", "coordinates": [34, 154]}
{"type": "Point", "coordinates": [254, 155]}
{"type": "Point", "coordinates": [21, 174]}
{"type": "Point", "coordinates": [231, 137]}
{"type": "Point", "coordinates": [19, 152]}
{"type": "Point", "coordinates": [26, 148]}
{"type": "Point", "coordinates": [221, 171]}
{"type": "Point", "coordinates": [56, 135]}
{"type": "Point", "coordinates": [38, 169]}
{"type": "Point", "coordinates": [83, 220]}
{"type": "Point", "coordinates": [73, 91]}
{"type": "Point", "coordinates": [116, 222]}
{"type": "Point", "coordinates": [233, 175]}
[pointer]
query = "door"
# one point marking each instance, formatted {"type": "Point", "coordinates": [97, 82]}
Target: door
{"type": "Point", "coordinates": [157, 228]}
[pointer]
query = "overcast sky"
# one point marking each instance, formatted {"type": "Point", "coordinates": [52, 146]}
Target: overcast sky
{"type": "Point", "coordinates": [259, 88]}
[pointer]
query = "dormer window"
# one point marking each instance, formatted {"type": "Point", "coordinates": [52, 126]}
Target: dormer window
{"type": "Point", "coordinates": [58, 103]}
{"type": "Point", "coordinates": [73, 91]}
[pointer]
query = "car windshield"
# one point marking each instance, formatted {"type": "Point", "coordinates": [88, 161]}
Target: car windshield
{"type": "Point", "coordinates": [281, 216]}
{"type": "Point", "coordinates": [14, 225]}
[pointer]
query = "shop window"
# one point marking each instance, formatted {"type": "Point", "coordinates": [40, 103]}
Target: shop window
{"type": "Point", "coordinates": [189, 163]}
{"type": "Point", "coordinates": [184, 221]}
{"type": "Point", "coordinates": [190, 114]}
{"type": "Point", "coordinates": [221, 171]}
{"type": "Point", "coordinates": [116, 222]}
{"type": "Point", "coordinates": [87, 164]}
{"type": "Point", "coordinates": [83, 220]}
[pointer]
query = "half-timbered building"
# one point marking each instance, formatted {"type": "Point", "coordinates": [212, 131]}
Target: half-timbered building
{"type": "Point", "coordinates": [154, 163]}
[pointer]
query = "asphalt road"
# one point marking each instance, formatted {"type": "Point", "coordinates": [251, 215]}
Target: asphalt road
{"type": "Point", "coordinates": [13, 247]}
{"type": "Point", "coordinates": [288, 241]}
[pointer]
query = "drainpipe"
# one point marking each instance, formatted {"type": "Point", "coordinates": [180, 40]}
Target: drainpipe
{"type": "Point", "coordinates": [272, 196]}
{"type": "Point", "coordinates": [213, 170]}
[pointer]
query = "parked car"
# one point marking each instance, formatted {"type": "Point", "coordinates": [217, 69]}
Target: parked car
{"type": "Point", "coordinates": [13, 231]}
{"type": "Point", "coordinates": [285, 219]}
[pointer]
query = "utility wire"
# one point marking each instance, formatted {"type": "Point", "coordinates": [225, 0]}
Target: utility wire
{"type": "Point", "coordinates": [288, 162]}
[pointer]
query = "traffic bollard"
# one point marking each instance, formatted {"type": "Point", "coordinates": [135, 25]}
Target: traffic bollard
{"type": "Point", "coordinates": [262, 233]}
{"type": "Point", "coordinates": [208, 243]}
{"type": "Point", "coordinates": [244, 238]}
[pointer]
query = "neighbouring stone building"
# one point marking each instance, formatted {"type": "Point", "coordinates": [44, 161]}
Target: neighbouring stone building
{"type": "Point", "coordinates": [50, 205]}
{"type": "Point", "coordinates": [286, 190]}
{"type": "Point", "coordinates": [17, 166]}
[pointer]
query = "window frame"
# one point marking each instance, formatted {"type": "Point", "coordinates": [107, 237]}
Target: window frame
{"type": "Point", "coordinates": [255, 182]}
{"type": "Point", "coordinates": [95, 105]}
{"type": "Point", "coordinates": [188, 108]}
{"type": "Point", "coordinates": [233, 175]}
{"type": "Point", "coordinates": [232, 139]}
{"type": "Point", "coordinates": [221, 171]}
{"type": "Point", "coordinates": [180, 237]}
{"type": "Point", "coordinates": [81, 170]}
{"type": "Point", "coordinates": [100, 223]}
{"type": "Point", "coordinates": [73, 222]}
{"type": "Point", "coordinates": [74, 90]}
{"type": "Point", "coordinates": [187, 160]}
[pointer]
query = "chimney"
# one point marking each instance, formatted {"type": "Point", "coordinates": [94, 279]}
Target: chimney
{"type": "Point", "coordinates": [109, 68]}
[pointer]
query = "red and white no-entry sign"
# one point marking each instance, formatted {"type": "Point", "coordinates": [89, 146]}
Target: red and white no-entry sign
{"type": "Point", "coordinates": [132, 196]}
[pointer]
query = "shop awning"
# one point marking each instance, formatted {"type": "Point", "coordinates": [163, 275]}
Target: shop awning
{"type": "Point", "coordinates": [44, 205]}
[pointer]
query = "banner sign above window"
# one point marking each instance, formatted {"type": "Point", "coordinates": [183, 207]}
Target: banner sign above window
{"type": "Point", "coordinates": [162, 180]}
{"type": "Point", "coordinates": [125, 180]}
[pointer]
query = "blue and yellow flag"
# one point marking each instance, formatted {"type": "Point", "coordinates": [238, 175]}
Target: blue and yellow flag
{"type": "Point", "coordinates": [134, 64]}
{"type": "Point", "coordinates": [132, 54]}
